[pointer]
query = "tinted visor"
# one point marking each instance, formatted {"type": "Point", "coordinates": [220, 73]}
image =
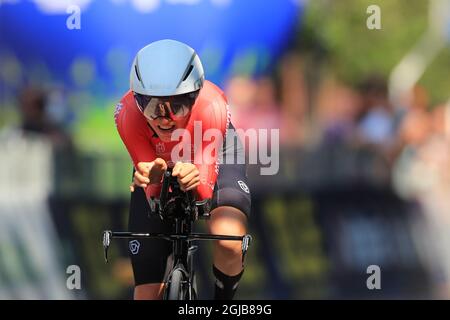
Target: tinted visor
{"type": "Point", "coordinates": [167, 107]}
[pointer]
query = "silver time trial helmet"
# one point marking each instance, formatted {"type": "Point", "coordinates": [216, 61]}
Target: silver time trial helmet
{"type": "Point", "coordinates": [166, 68]}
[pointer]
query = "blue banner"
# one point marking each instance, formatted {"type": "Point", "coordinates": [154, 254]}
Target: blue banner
{"type": "Point", "coordinates": [89, 45]}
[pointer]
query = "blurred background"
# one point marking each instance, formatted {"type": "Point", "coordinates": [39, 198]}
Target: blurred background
{"type": "Point", "coordinates": [364, 119]}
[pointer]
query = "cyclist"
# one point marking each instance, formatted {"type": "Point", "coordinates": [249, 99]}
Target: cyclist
{"type": "Point", "coordinates": [168, 91]}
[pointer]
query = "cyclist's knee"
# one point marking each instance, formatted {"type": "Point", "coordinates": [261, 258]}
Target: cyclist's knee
{"type": "Point", "coordinates": [149, 291]}
{"type": "Point", "coordinates": [227, 217]}
{"type": "Point", "coordinates": [229, 249]}
{"type": "Point", "coordinates": [228, 221]}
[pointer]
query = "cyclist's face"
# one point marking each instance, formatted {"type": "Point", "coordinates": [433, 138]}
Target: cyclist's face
{"type": "Point", "coordinates": [166, 114]}
{"type": "Point", "coordinates": [164, 127]}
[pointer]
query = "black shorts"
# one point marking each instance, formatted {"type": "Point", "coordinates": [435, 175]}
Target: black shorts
{"type": "Point", "coordinates": [149, 257]}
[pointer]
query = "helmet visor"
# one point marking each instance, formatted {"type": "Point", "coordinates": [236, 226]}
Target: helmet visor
{"type": "Point", "coordinates": [174, 107]}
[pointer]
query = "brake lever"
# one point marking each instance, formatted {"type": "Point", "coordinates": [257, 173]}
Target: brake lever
{"type": "Point", "coordinates": [106, 243]}
{"type": "Point", "coordinates": [246, 241]}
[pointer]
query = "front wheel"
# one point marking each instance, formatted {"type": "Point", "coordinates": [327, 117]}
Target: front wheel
{"type": "Point", "coordinates": [176, 286]}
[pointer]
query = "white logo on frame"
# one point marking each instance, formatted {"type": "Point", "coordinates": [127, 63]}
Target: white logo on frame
{"type": "Point", "coordinates": [243, 186]}
{"type": "Point", "coordinates": [134, 246]}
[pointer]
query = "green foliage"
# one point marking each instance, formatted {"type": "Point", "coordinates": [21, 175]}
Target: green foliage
{"type": "Point", "coordinates": [436, 78]}
{"type": "Point", "coordinates": [7, 117]}
{"type": "Point", "coordinates": [95, 129]}
{"type": "Point", "coordinates": [89, 222]}
{"type": "Point", "coordinates": [338, 28]}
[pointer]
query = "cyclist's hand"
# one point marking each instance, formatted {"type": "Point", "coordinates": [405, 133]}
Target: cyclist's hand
{"type": "Point", "coordinates": [148, 173]}
{"type": "Point", "coordinates": [187, 175]}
